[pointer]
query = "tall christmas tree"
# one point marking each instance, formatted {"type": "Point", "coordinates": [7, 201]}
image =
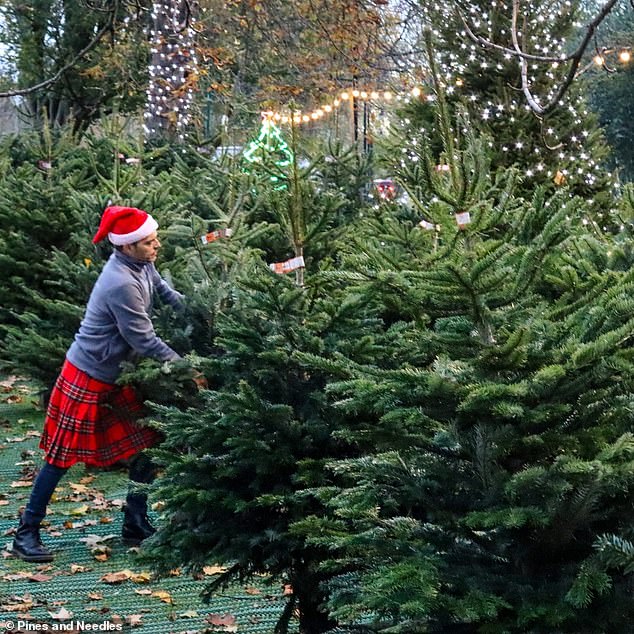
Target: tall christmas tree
{"type": "Point", "coordinates": [237, 465]}
{"type": "Point", "coordinates": [563, 146]}
{"type": "Point", "coordinates": [492, 423]}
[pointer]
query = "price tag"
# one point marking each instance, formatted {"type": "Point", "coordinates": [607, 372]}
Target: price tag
{"type": "Point", "coordinates": [216, 235]}
{"type": "Point", "coordinates": [288, 266]}
{"type": "Point", "coordinates": [463, 219]}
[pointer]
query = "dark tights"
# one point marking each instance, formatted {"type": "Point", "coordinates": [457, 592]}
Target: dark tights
{"type": "Point", "coordinates": [142, 470]}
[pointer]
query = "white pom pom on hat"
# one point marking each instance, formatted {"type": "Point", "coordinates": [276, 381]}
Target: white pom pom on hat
{"type": "Point", "coordinates": [125, 225]}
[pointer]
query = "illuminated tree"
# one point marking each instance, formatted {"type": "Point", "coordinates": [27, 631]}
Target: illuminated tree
{"type": "Point", "coordinates": [173, 69]}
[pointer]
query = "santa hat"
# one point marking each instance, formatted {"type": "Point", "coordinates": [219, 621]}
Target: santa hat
{"type": "Point", "coordinates": [125, 225]}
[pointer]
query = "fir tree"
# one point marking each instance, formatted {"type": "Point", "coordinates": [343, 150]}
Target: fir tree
{"type": "Point", "coordinates": [493, 422]}
{"type": "Point", "coordinates": [236, 465]}
{"type": "Point", "coordinates": [562, 147]}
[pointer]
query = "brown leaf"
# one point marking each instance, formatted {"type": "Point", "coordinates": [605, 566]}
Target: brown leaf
{"type": "Point", "coordinates": [18, 603]}
{"type": "Point", "coordinates": [134, 620]}
{"type": "Point", "coordinates": [21, 483]}
{"type": "Point", "coordinates": [116, 577]}
{"type": "Point", "coordinates": [95, 596]}
{"type": "Point", "coordinates": [164, 596]}
{"type": "Point", "coordinates": [214, 570]}
{"type": "Point", "coordinates": [221, 619]}
{"type": "Point", "coordinates": [39, 577]}
{"type": "Point", "coordinates": [101, 557]}
{"type": "Point", "coordinates": [252, 590]}
{"type": "Point", "coordinates": [94, 541]}
{"type": "Point", "coordinates": [141, 577]}
{"type": "Point", "coordinates": [9, 381]}
{"type": "Point", "coordinates": [78, 488]}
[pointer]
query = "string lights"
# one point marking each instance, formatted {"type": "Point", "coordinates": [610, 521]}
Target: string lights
{"type": "Point", "coordinates": [173, 69]}
{"type": "Point", "coordinates": [621, 54]}
{"type": "Point", "coordinates": [560, 151]}
{"type": "Point", "coordinates": [269, 143]}
{"type": "Point", "coordinates": [299, 117]}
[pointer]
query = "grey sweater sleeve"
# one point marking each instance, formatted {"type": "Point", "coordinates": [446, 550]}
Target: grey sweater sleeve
{"type": "Point", "coordinates": [134, 324]}
{"type": "Point", "coordinates": [165, 291]}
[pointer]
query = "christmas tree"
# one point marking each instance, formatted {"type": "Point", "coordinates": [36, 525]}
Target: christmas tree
{"type": "Point", "coordinates": [561, 146]}
{"type": "Point", "coordinates": [490, 489]}
{"type": "Point", "coordinates": [237, 465]}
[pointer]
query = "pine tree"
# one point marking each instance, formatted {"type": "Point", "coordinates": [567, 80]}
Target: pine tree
{"type": "Point", "coordinates": [237, 464]}
{"type": "Point", "coordinates": [52, 194]}
{"type": "Point", "coordinates": [563, 147]}
{"type": "Point", "coordinates": [493, 423]}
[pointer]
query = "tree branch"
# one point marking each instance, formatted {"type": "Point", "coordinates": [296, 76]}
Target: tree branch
{"type": "Point", "coordinates": [524, 58]}
{"type": "Point", "coordinates": [92, 44]}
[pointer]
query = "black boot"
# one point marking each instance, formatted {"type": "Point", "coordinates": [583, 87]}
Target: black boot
{"type": "Point", "coordinates": [27, 544]}
{"type": "Point", "coordinates": [136, 524]}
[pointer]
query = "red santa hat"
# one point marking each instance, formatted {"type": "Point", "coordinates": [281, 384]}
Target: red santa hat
{"type": "Point", "coordinates": [125, 225]}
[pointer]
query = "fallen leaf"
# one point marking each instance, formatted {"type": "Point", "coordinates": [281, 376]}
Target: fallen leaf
{"type": "Point", "coordinates": [9, 381]}
{"type": "Point", "coordinates": [116, 577]}
{"type": "Point", "coordinates": [75, 568]}
{"type": "Point", "coordinates": [17, 576]}
{"type": "Point", "coordinates": [95, 596]}
{"type": "Point", "coordinates": [39, 577]}
{"type": "Point", "coordinates": [93, 541]}
{"type": "Point", "coordinates": [164, 596]}
{"type": "Point", "coordinates": [78, 488]}
{"type": "Point", "coordinates": [101, 557]}
{"type": "Point", "coordinates": [148, 591]}
{"type": "Point", "coordinates": [134, 620]}
{"type": "Point", "coordinates": [221, 619]}
{"type": "Point", "coordinates": [141, 577]}
{"type": "Point", "coordinates": [18, 603]}
{"type": "Point", "coordinates": [189, 614]}
{"type": "Point", "coordinates": [62, 615]}
{"type": "Point", "coordinates": [80, 510]}
{"type": "Point", "coordinates": [214, 570]}
{"type": "Point", "coordinates": [253, 591]}
{"type": "Point", "coordinates": [21, 483]}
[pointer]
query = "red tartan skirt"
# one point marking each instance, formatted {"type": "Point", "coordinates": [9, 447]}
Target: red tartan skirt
{"type": "Point", "coordinates": [92, 422]}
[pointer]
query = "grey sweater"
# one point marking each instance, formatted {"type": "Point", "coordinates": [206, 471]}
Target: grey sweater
{"type": "Point", "coordinates": [116, 326]}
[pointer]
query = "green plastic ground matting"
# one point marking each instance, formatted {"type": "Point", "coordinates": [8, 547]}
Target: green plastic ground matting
{"type": "Point", "coordinates": [96, 583]}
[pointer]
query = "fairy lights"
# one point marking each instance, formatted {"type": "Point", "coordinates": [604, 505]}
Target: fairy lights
{"type": "Point", "coordinates": [269, 143]}
{"type": "Point", "coordinates": [298, 117]}
{"type": "Point", "coordinates": [562, 146]}
{"type": "Point", "coordinates": [173, 69]}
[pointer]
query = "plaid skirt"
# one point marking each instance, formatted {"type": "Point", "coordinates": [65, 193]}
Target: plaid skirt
{"type": "Point", "coordinates": [92, 422]}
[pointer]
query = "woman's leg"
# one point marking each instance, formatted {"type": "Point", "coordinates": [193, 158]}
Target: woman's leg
{"type": "Point", "coordinates": [136, 525]}
{"type": "Point", "coordinates": [27, 543]}
{"type": "Point", "coordinates": [43, 488]}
